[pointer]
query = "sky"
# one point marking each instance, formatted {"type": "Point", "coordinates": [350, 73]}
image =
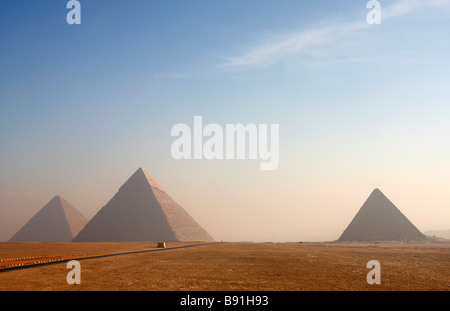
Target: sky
{"type": "Point", "coordinates": [359, 107]}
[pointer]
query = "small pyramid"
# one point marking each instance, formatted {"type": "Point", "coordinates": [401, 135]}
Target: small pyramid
{"type": "Point", "coordinates": [142, 211]}
{"type": "Point", "coordinates": [380, 220]}
{"type": "Point", "coordinates": [57, 221]}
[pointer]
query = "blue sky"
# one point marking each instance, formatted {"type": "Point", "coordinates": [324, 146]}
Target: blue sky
{"type": "Point", "coordinates": [359, 106]}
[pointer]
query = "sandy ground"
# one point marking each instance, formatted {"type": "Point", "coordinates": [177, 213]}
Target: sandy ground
{"type": "Point", "coordinates": [234, 267]}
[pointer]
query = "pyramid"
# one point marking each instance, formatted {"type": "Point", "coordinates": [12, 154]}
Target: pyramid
{"type": "Point", "coordinates": [57, 221]}
{"type": "Point", "coordinates": [142, 211]}
{"type": "Point", "coordinates": [379, 220]}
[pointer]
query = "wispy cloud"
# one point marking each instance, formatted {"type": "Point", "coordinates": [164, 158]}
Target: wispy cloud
{"type": "Point", "coordinates": [278, 49]}
{"type": "Point", "coordinates": [406, 7]}
{"type": "Point", "coordinates": [270, 53]}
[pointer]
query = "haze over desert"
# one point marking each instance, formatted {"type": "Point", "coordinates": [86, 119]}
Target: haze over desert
{"type": "Point", "coordinates": [118, 250]}
{"type": "Point", "coordinates": [236, 267]}
{"type": "Point", "coordinates": [224, 154]}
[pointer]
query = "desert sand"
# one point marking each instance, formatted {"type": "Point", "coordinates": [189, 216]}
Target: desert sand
{"type": "Point", "coordinates": [234, 267]}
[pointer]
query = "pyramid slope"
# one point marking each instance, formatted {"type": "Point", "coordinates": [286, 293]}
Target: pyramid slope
{"type": "Point", "coordinates": [57, 221]}
{"type": "Point", "coordinates": [380, 220]}
{"type": "Point", "coordinates": [142, 211]}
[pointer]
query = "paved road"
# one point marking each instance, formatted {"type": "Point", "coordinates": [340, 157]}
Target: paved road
{"type": "Point", "coordinates": [33, 262]}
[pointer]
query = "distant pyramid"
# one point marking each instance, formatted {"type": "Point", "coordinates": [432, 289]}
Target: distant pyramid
{"type": "Point", "coordinates": [379, 220]}
{"type": "Point", "coordinates": [57, 221]}
{"type": "Point", "coordinates": [142, 211]}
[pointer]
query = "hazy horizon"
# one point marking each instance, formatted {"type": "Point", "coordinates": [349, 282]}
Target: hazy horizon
{"type": "Point", "coordinates": [359, 107]}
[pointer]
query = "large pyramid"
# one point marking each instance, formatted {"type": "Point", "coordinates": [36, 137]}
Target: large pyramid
{"type": "Point", "coordinates": [57, 221]}
{"type": "Point", "coordinates": [379, 220]}
{"type": "Point", "coordinates": [142, 211]}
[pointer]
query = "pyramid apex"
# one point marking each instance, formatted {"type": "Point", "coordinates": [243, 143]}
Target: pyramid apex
{"type": "Point", "coordinates": [57, 221]}
{"type": "Point", "coordinates": [142, 177]}
{"type": "Point", "coordinates": [380, 220]}
{"type": "Point", "coordinates": [57, 198]}
{"type": "Point", "coordinates": [377, 192]}
{"type": "Point", "coordinates": [141, 171]}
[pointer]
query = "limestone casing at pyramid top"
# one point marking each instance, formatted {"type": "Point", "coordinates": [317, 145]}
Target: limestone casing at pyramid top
{"type": "Point", "coordinates": [141, 178]}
